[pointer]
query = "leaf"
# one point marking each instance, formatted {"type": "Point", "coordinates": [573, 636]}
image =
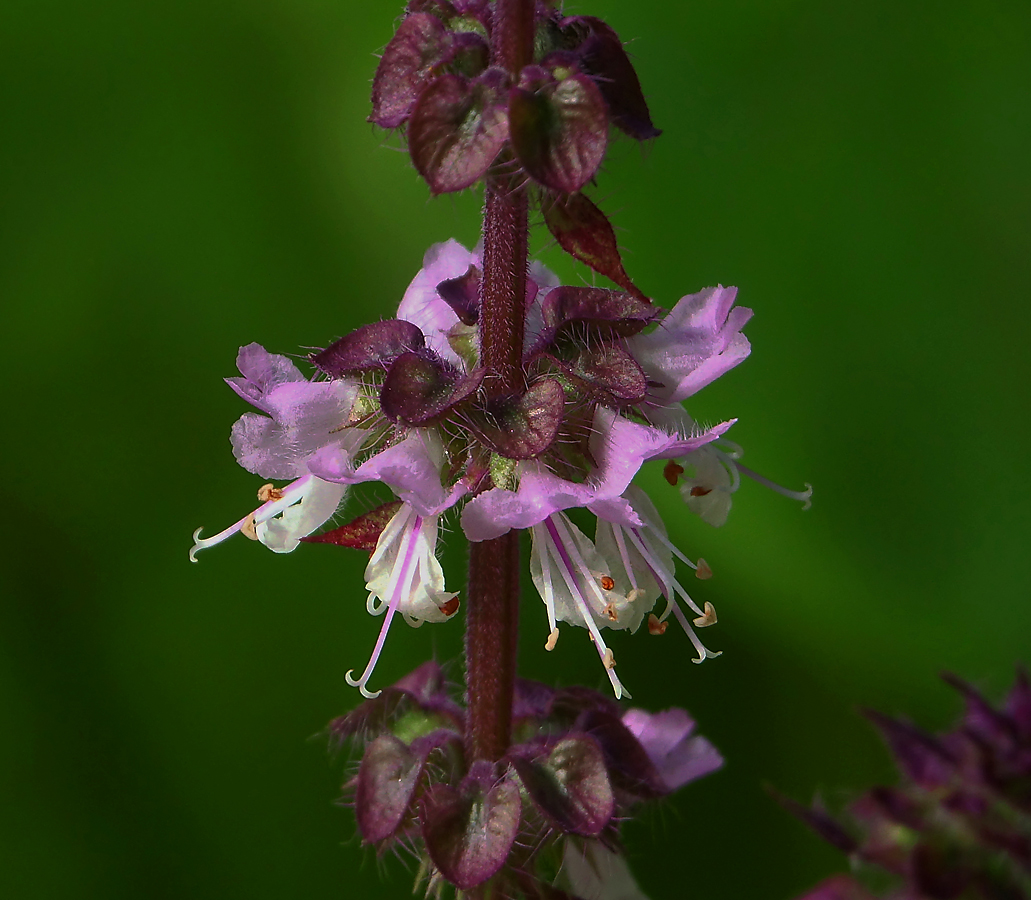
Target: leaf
{"type": "Point", "coordinates": [469, 831]}
{"type": "Point", "coordinates": [602, 56]}
{"type": "Point", "coordinates": [606, 314]}
{"type": "Point", "coordinates": [522, 426]}
{"type": "Point", "coordinates": [570, 786]}
{"type": "Point", "coordinates": [419, 46]}
{"type": "Point", "coordinates": [387, 779]}
{"type": "Point", "coordinates": [373, 346]}
{"type": "Point", "coordinates": [360, 534]}
{"type": "Point", "coordinates": [559, 130]}
{"type": "Point", "coordinates": [584, 232]}
{"type": "Point", "coordinates": [420, 387]}
{"type": "Point", "coordinates": [457, 129]}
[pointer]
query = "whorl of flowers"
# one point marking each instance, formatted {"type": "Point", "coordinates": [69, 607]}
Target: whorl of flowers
{"type": "Point", "coordinates": [551, 808]}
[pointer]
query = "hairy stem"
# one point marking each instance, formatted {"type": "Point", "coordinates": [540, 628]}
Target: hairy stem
{"type": "Point", "coordinates": [492, 609]}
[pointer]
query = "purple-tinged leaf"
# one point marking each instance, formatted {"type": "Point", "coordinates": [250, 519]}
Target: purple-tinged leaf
{"type": "Point", "coordinates": [571, 702]}
{"type": "Point", "coordinates": [462, 294]}
{"type": "Point", "coordinates": [531, 699]}
{"type": "Point", "coordinates": [601, 55]}
{"type": "Point", "coordinates": [361, 533]}
{"type": "Point", "coordinates": [612, 371]}
{"type": "Point", "coordinates": [627, 761]}
{"type": "Point", "coordinates": [457, 129]}
{"type": "Point", "coordinates": [523, 426]}
{"type": "Point", "coordinates": [919, 755]}
{"type": "Point", "coordinates": [421, 387]}
{"type": "Point", "coordinates": [559, 130]}
{"type": "Point", "coordinates": [584, 232]}
{"type": "Point", "coordinates": [817, 819]}
{"type": "Point", "coordinates": [418, 48]}
{"type": "Point", "coordinates": [570, 786]}
{"type": "Point", "coordinates": [387, 779]}
{"type": "Point", "coordinates": [373, 346]}
{"type": "Point", "coordinates": [607, 314]}
{"type": "Point", "coordinates": [470, 830]}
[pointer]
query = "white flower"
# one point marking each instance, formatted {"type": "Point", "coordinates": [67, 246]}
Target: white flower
{"type": "Point", "coordinates": [404, 576]}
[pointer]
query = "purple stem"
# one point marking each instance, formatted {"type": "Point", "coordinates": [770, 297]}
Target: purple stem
{"type": "Point", "coordinates": [492, 608]}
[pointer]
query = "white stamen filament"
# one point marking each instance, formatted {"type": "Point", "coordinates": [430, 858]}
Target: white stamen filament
{"type": "Point", "coordinates": [549, 592]}
{"type": "Point", "coordinates": [569, 576]}
{"type": "Point", "coordinates": [401, 578]}
{"type": "Point", "coordinates": [617, 533]}
{"type": "Point", "coordinates": [704, 652]}
{"type": "Point", "coordinates": [804, 497]}
{"type": "Point", "coordinates": [666, 579]}
{"type": "Point", "coordinates": [291, 494]}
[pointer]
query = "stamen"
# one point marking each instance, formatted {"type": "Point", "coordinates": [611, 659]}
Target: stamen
{"type": "Point", "coordinates": [699, 491]}
{"type": "Point", "coordinates": [607, 584]}
{"type": "Point", "coordinates": [566, 569]}
{"type": "Point", "coordinates": [609, 659]}
{"type": "Point", "coordinates": [672, 472]}
{"type": "Point", "coordinates": [610, 613]}
{"type": "Point", "coordinates": [269, 492]}
{"type": "Point", "coordinates": [400, 584]}
{"type": "Point", "coordinates": [665, 541]}
{"type": "Point", "coordinates": [703, 572]}
{"type": "Point", "coordinates": [552, 640]}
{"type": "Point", "coordinates": [549, 592]}
{"type": "Point", "coordinates": [804, 497]}
{"type": "Point", "coordinates": [655, 626]}
{"type": "Point", "coordinates": [704, 652]}
{"type": "Point", "coordinates": [708, 618]}
{"type": "Point", "coordinates": [451, 607]}
{"type": "Point", "coordinates": [635, 594]}
{"type": "Point", "coordinates": [665, 578]}
{"type": "Point", "coordinates": [617, 533]}
{"type": "Point", "coordinates": [289, 495]}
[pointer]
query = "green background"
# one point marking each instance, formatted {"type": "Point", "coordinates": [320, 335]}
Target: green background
{"type": "Point", "coordinates": [181, 177]}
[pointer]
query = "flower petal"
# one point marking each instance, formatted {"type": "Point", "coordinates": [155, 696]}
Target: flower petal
{"type": "Point", "coordinates": [423, 306]}
{"type": "Point", "coordinates": [697, 342]}
{"type": "Point", "coordinates": [262, 371]}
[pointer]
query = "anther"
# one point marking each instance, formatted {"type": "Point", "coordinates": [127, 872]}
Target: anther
{"type": "Point", "coordinates": [248, 529]}
{"type": "Point", "coordinates": [552, 640]}
{"type": "Point", "coordinates": [708, 617]}
{"type": "Point", "coordinates": [451, 607]}
{"type": "Point", "coordinates": [606, 582]}
{"type": "Point", "coordinates": [655, 626]}
{"type": "Point", "coordinates": [672, 472]}
{"type": "Point", "coordinates": [610, 613]}
{"type": "Point", "coordinates": [635, 594]}
{"type": "Point", "coordinates": [609, 659]}
{"type": "Point", "coordinates": [269, 492]}
{"type": "Point", "coordinates": [699, 491]}
{"type": "Point", "coordinates": [702, 571]}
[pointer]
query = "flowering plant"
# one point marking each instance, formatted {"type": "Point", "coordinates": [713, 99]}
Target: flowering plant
{"type": "Point", "coordinates": [503, 399]}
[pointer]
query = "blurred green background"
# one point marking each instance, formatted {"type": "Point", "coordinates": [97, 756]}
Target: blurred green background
{"type": "Point", "coordinates": [179, 178]}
